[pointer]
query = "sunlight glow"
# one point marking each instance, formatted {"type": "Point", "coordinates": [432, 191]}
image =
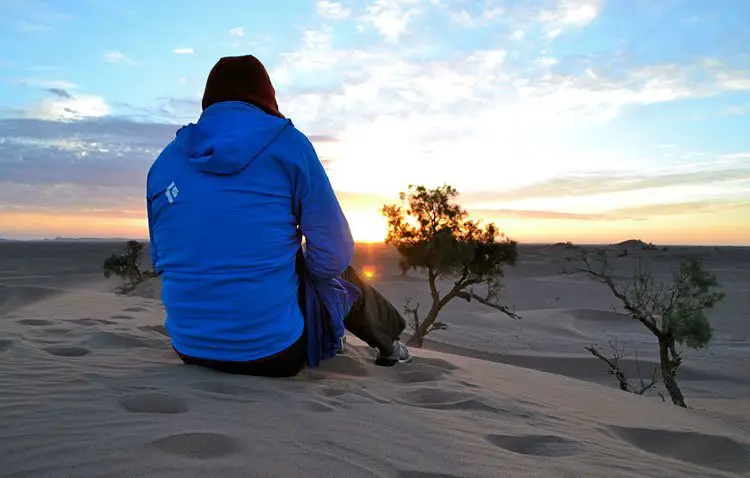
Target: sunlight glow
{"type": "Point", "coordinates": [368, 272]}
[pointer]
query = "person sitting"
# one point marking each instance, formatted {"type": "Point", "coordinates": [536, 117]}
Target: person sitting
{"type": "Point", "coordinates": [229, 201]}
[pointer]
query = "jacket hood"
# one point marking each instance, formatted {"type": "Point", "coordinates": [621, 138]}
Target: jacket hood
{"type": "Point", "coordinates": [228, 136]}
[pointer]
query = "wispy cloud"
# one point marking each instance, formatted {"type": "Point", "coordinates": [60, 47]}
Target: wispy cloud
{"type": "Point", "coordinates": [687, 207]}
{"type": "Point", "coordinates": [576, 13]}
{"type": "Point", "coordinates": [30, 27]}
{"type": "Point", "coordinates": [183, 51]}
{"type": "Point", "coordinates": [496, 214]}
{"type": "Point", "coordinates": [737, 110]}
{"type": "Point", "coordinates": [68, 108]}
{"type": "Point", "coordinates": [332, 10]}
{"type": "Point", "coordinates": [45, 84]}
{"type": "Point", "coordinates": [119, 58]}
{"type": "Point", "coordinates": [390, 17]}
{"type": "Point", "coordinates": [237, 32]}
{"type": "Point", "coordinates": [59, 92]}
{"type": "Point", "coordinates": [599, 183]}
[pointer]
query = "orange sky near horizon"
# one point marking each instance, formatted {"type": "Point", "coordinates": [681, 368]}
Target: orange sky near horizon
{"type": "Point", "coordinates": [729, 227]}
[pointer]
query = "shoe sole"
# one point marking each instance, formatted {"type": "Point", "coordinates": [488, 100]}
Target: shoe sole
{"type": "Point", "coordinates": [390, 362]}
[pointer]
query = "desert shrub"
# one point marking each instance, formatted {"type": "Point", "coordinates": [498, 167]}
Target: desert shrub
{"type": "Point", "coordinates": [433, 234]}
{"type": "Point", "coordinates": [673, 311]}
{"type": "Point", "coordinates": [126, 266]}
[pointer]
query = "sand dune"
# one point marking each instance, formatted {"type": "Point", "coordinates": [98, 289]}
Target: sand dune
{"type": "Point", "coordinates": [89, 386]}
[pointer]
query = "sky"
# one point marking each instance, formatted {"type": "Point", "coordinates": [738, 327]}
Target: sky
{"type": "Point", "coordinates": [592, 121]}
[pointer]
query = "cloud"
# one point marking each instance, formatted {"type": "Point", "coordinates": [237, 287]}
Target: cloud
{"type": "Point", "coordinates": [45, 84]}
{"type": "Point", "coordinates": [734, 80]}
{"type": "Point", "coordinates": [183, 51]}
{"type": "Point", "coordinates": [237, 32]}
{"type": "Point", "coordinates": [569, 13]}
{"type": "Point", "coordinates": [332, 10]}
{"type": "Point", "coordinates": [93, 163]}
{"type": "Point", "coordinates": [600, 183]}
{"type": "Point", "coordinates": [116, 57]}
{"type": "Point", "coordinates": [390, 17]}
{"type": "Point", "coordinates": [33, 27]}
{"type": "Point", "coordinates": [68, 109]}
{"type": "Point", "coordinates": [517, 35]}
{"type": "Point", "coordinates": [688, 207]}
{"type": "Point", "coordinates": [546, 61]}
{"type": "Point", "coordinates": [533, 214]}
{"type": "Point", "coordinates": [737, 111]}
{"type": "Point", "coordinates": [572, 12]}
{"type": "Point", "coordinates": [60, 93]}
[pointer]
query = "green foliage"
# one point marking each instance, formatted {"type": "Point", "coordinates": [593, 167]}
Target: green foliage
{"type": "Point", "coordinates": [690, 296]}
{"type": "Point", "coordinates": [436, 234]}
{"type": "Point", "coordinates": [126, 266]}
{"type": "Point", "coordinates": [674, 311]}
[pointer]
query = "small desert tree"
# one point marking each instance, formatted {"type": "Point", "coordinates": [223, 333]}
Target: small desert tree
{"type": "Point", "coordinates": [674, 311]}
{"type": "Point", "coordinates": [126, 266]}
{"type": "Point", "coordinates": [435, 235]}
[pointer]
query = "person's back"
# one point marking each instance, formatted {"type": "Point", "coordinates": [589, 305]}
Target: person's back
{"type": "Point", "coordinates": [225, 200]}
{"type": "Point", "coordinates": [229, 200]}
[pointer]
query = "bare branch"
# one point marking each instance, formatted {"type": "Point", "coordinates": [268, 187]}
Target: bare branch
{"type": "Point", "coordinates": [614, 367]}
{"type": "Point", "coordinates": [604, 273]}
{"type": "Point", "coordinates": [615, 370]}
{"type": "Point", "coordinates": [468, 296]}
{"type": "Point", "coordinates": [414, 311]}
{"type": "Point", "coordinates": [645, 386]}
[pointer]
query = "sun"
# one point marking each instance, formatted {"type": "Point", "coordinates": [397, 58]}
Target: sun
{"type": "Point", "coordinates": [367, 228]}
{"type": "Point", "coordinates": [368, 272]}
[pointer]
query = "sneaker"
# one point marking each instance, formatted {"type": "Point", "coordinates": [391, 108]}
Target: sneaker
{"type": "Point", "coordinates": [340, 347]}
{"type": "Point", "coordinates": [400, 354]}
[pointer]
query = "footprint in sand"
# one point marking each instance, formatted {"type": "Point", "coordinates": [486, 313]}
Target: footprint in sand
{"type": "Point", "coordinates": [34, 322]}
{"type": "Point", "coordinates": [112, 340]}
{"type": "Point", "coordinates": [122, 317]}
{"type": "Point", "coordinates": [424, 474]}
{"type": "Point", "coordinates": [444, 399]}
{"type": "Point", "coordinates": [5, 345]}
{"type": "Point", "coordinates": [67, 350]}
{"type": "Point", "coordinates": [90, 322]}
{"type": "Point", "coordinates": [198, 445]}
{"type": "Point", "coordinates": [344, 365]}
{"type": "Point", "coordinates": [153, 402]}
{"type": "Point", "coordinates": [418, 375]}
{"type": "Point", "coordinates": [135, 309]}
{"type": "Point", "coordinates": [437, 363]}
{"type": "Point", "coordinates": [536, 445]}
{"type": "Point", "coordinates": [711, 451]}
{"type": "Point", "coordinates": [234, 391]}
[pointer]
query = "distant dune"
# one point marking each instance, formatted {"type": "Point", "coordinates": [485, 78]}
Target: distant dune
{"type": "Point", "coordinates": [632, 243]}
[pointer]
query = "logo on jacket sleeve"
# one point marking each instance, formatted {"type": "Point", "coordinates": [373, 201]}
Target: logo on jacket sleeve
{"type": "Point", "coordinates": [172, 192]}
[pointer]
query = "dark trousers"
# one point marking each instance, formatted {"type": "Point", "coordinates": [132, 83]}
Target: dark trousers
{"type": "Point", "coordinates": [373, 319]}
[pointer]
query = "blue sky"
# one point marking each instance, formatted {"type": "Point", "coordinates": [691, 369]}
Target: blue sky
{"type": "Point", "coordinates": [578, 120]}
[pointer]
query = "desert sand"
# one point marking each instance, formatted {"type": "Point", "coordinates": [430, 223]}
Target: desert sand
{"type": "Point", "coordinates": [90, 387]}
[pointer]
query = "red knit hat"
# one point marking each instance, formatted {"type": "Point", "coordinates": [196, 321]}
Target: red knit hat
{"type": "Point", "coordinates": [241, 78]}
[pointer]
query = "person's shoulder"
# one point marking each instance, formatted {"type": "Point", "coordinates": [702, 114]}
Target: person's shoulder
{"type": "Point", "coordinates": [163, 159]}
{"type": "Point", "coordinates": [295, 138]}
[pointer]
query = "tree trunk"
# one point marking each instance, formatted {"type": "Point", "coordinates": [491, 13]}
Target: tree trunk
{"type": "Point", "coordinates": [417, 339]}
{"type": "Point", "coordinates": [668, 371]}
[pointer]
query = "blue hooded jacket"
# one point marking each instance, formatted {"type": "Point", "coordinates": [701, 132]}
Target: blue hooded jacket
{"type": "Point", "coordinates": [228, 202]}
